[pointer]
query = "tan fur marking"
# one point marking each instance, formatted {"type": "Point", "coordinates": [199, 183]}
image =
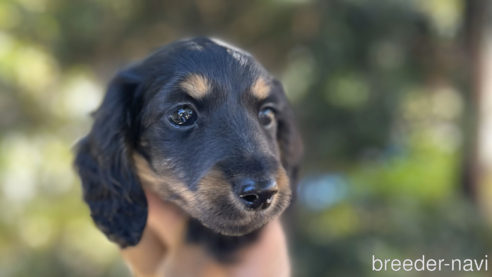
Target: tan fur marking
{"type": "Point", "coordinates": [196, 86]}
{"type": "Point", "coordinates": [214, 180]}
{"type": "Point", "coordinates": [146, 175]}
{"type": "Point", "coordinates": [164, 186]}
{"type": "Point", "coordinates": [282, 179]}
{"type": "Point", "coordinates": [260, 88]}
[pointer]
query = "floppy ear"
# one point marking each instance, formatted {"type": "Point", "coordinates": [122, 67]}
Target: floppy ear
{"type": "Point", "coordinates": [104, 162]}
{"type": "Point", "coordinates": [288, 137]}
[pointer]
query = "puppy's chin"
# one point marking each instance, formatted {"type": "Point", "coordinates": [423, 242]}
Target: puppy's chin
{"type": "Point", "coordinates": [235, 230]}
{"type": "Point", "coordinates": [231, 218]}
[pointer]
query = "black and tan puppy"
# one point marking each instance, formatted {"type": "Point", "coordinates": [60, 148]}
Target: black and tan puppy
{"type": "Point", "coordinates": [205, 127]}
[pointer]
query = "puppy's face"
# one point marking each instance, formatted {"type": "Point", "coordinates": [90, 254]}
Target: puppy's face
{"type": "Point", "coordinates": [209, 133]}
{"type": "Point", "coordinates": [202, 124]}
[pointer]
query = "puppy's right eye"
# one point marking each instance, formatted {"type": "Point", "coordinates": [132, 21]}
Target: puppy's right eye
{"type": "Point", "coordinates": [183, 116]}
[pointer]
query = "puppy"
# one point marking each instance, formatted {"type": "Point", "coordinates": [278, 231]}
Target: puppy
{"type": "Point", "coordinates": [202, 125]}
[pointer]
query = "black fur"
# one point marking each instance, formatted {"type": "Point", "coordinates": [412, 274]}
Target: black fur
{"type": "Point", "coordinates": [133, 118]}
{"type": "Point", "coordinates": [219, 246]}
{"type": "Point", "coordinates": [291, 148]}
{"type": "Point", "coordinates": [111, 188]}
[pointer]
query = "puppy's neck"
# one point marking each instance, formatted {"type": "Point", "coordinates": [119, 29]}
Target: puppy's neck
{"type": "Point", "coordinates": [224, 249]}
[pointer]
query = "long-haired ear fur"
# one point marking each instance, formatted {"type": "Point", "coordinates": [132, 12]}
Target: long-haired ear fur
{"type": "Point", "coordinates": [104, 162]}
{"type": "Point", "coordinates": [288, 138]}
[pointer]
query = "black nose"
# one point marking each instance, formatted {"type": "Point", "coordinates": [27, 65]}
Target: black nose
{"type": "Point", "coordinates": [257, 195]}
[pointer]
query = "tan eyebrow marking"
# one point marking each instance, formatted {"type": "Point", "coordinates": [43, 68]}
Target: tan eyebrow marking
{"type": "Point", "coordinates": [260, 88]}
{"type": "Point", "coordinates": [196, 86]}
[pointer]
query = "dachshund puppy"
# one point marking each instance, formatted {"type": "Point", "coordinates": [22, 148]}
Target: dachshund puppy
{"type": "Point", "coordinates": [202, 125]}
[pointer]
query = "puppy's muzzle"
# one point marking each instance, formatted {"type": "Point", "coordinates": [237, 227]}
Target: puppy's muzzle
{"type": "Point", "coordinates": [256, 195]}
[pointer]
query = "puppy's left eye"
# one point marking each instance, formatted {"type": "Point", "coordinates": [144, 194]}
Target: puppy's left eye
{"type": "Point", "coordinates": [267, 117]}
{"type": "Point", "coordinates": [183, 116]}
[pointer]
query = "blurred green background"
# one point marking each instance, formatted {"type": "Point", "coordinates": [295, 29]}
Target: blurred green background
{"type": "Point", "coordinates": [391, 97]}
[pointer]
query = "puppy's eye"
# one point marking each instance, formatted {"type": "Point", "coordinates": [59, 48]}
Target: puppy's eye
{"type": "Point", "coordinates": [267, 117]}
{"type": "Point", "coordinates": [183, 116]}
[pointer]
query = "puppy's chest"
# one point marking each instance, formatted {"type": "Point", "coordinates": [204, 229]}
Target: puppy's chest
{"type": "Point", "coordinates": [204, 253]}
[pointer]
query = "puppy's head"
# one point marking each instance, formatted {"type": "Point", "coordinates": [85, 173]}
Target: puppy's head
{"type": "Point", "coordinates": [202, 124]}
